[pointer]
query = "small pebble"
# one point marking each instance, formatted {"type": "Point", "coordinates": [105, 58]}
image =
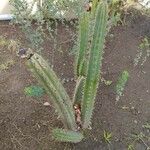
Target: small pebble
{"type": "Point", "coordinates": [125, 107]}
{"type": "Point", "coordinates": [46, 104]}
{"type": "Point", "coordinates": [67, 80]}
{"type": "Point", "coordinates": [135, 121]}
{"type": "Point", "coordinates": [72, 79]}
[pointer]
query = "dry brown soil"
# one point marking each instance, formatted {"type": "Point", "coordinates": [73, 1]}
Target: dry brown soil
{"type": "Point", "coordinates": [25, 123]}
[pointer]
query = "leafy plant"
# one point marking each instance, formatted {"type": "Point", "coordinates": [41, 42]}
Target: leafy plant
{"type": "Point", "coordinates": [106, 82]}
{"type": "Point", "coordinates": [34, 91]}
{"type": "Point", "coordinates": [146, 126]}
{"type": "Point", "coordinates": [131, 147]}
{"type": "Point", "coordinates": [38, 20]}
{"type": "Point", "coordinates": [121, 84]}
{"type": "Point", "coordinates": [76, 116]}
{"type": "Point", "coordinates": [107, 136]}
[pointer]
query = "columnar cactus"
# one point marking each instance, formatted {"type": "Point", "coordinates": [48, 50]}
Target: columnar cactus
{"type": "Point", "coordinates": [82, 43]}
{"type": "Point", "coordinates": [94, 63]}
{"type": "Point", "coordinates": [88, 65]}
{"type": "Point", "coordinates": [47, 77]}
{"type": "Point", "coordinates": [67, 135]}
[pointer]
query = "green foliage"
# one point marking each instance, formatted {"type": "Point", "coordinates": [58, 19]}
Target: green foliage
{"type": "Point", "coordinates": [146, 126]}
{"type": "Point", "coordinates": [34, 91]}
{"type": "Point", "coordinates": [107, 136]}
{"type": "Point", "coordinates": [94, 63]}
{"type": "Point", "coordinates": [41, 24]}
{"type": "Point", "coordinates": [121, 84]}
{"type": "Point", "coordinates": [50, 82]}
{"type": "Point", "coordinates": [67, 135]}
{"type": "Point", "coordinates": [23, 16]}
{"type": "Point", "coordinates": [131, 147]}
{"type": "Point", "coordinates": [107, 82]}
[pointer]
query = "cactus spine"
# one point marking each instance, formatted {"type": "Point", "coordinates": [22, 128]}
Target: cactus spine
{"type": "Point", "coordinates": [47, 77]}
{"type": "Point", "coordinates": [94, 63]}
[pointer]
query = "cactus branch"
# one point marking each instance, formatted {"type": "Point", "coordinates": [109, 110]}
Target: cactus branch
{"type": "Point", "coordinates": [83, 42]}
{"type": "Point", "coordinates": [67, 135]}
{"type": "Point", "coordinates": [94, 64]}
{"type": "Point", "coordinates": [78, 93]}
{"type": "Point", "coordinates": [47, 77]}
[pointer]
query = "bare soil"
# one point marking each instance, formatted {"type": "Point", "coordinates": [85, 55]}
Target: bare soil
{"type": "Point", "coordinates": [26, 124]}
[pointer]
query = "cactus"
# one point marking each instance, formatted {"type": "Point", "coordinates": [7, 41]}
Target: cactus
{"type": "Point", "coordinates": [67, 135]}
{"type": "Point", "coordinates": [94, 6]}
{"type": "Point", "coordinates": [83, 43]}
{"type": "Point", "coordinates": [78, 93]}
{"type": "Point", "coordinates": [94, 63]}
{"type": "Point", "coordinates": [92, 31]}
{"type": "Point", "coordinates": [121, 84]}
{"type": "Point", "coordinates": [47, 77]}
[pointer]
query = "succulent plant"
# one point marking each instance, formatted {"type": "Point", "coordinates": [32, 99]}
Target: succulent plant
{"type": "Point", "coordinates": [121, 84]}
{"type": "Point", "coordinates": [52, 85]}
{"type": "Point", "coordinates": [67, 135]}
{"type": "Point", "coordinates": [92, 32]}
{"type": "Point", "coordinates": [94, 63]}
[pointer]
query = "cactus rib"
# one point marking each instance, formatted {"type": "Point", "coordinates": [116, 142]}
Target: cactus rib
{"type": "Point", "coordinates": [67, 135]}
{"type": "Point", "coordinates": [47, 77]}
{"type": "Point", "coordinates": [78, 93]}
{"type": "Point", "coordinates": [83, 43]}
{"type": "Point", "coordinates": [94, 64]}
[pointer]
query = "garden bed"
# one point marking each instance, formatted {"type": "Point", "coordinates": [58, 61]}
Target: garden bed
{"type": "Point", "coordinates": [25, 123]}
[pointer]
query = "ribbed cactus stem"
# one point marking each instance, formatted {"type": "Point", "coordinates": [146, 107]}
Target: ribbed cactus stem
{"type": "Point", "coordinates": [48, 79]}
{"type": "Point", "coordinates": [83, 43]}
{"type": "Point", "coordinates": [94, 63]}
{"type": "Point", "coordinates": [78, 93]}
{"type": "Point", "coordinates": [67, 135]}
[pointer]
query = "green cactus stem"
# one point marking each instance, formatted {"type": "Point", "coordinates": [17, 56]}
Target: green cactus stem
{"type": "Point", "coordinates": [82, 43]}
{"type": "Point", "coordinates": [52, 85]}
{"type": "Point", "coordinates": [67, 135]}
{"type": "Point", "coordinates": [94, 63]}
{"type": "Point", "coordinates": [78, 93]}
